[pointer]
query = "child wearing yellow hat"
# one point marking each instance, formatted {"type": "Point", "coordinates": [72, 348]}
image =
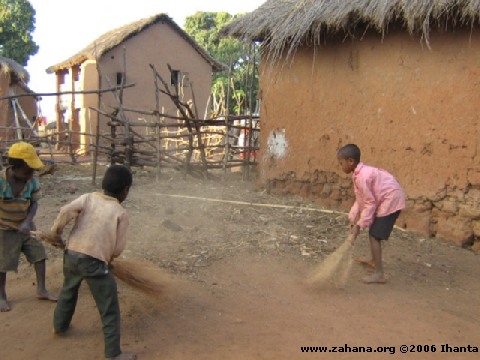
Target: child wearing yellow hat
{"type": "Point", "coordinates": [19, 195]}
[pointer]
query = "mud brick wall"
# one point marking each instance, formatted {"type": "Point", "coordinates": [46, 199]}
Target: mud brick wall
{"type": "Point", "coordinates": [412, 110]}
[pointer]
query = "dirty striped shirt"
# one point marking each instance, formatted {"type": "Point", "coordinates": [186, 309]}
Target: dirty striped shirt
{"type": "Point", "coordinates": [13, 210]}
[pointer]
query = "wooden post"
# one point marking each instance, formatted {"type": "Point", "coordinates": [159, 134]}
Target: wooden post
{"type": "Point", "coordinates": [97, 127]}
{"type": "Point", "coordinates": [113, 129]}
{"type": "Point", "coordinates": [17, 124]}
{"type": "Point", "coordinates": [188, 117]}
{"type": "Point", "coordinates": [227, 126]}
{"type": "Point", "coordinates": [50, 147]}
{"type": "Point", "coordinates": [95, 153]}
{"type": "Point", "coordinates": [126, 125]}
{"type": "Point", "coordinates": [157, 132]}
{"type": "Point", "coordinates": [250, 105]}
{"type": "Point", "coordinates": [157, 128]}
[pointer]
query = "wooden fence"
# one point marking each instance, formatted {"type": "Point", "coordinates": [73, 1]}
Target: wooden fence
{"type": "Point", "coordinates": [182, 142]}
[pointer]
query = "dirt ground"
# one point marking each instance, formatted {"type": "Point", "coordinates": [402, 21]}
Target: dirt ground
{"type": "Point", "coordinates": [237, 281]}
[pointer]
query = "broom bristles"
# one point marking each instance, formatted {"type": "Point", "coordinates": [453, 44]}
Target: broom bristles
{"type": "Point", "coordinates": [335, 268]}
{"type": "Point", "coordinates": [138, 274]}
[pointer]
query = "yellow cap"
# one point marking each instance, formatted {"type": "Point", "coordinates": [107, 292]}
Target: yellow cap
{"type": "Point", "coordinates": [27, 153]}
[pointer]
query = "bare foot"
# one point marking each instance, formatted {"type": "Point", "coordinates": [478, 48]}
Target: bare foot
{"type": "Point", "coordinates": [45, 295]}
{"type": "Point", "coordinates": [375, 279]}
{"type": "Point", "coordinates": [369, 263]}
{"type": "Point", "coordinates": [4, 306]}
{"type": "Point", "coordinates": [124, 356]}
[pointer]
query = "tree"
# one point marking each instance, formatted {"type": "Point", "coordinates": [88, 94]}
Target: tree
{"type": "Point", "coordinates": [241, 59]}
{"type": "Point", "coordinates": [17, 22]}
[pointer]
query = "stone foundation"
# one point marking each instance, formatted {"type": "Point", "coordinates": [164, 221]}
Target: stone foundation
{"type": "Point", "coordinates": [452, 214]}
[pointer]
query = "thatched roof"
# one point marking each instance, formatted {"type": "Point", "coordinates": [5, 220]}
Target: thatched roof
{"type": "Point", "coordinates": [17, 71]}
{"type": "Point", "coordinates": [286, 24]}
{"type": "Point", "coordinates": [116, 37]}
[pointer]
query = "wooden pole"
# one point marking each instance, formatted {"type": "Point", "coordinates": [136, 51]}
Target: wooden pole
{"type": "Point", "coordinates": [97, 125]}
{"type": "Point", "coordinates": [100, 91]}
{"type": "Point", "coordinates": [251, 60]}
{"type": "Point", "coordinates": [227, 124]}
{"type": "Point", "coordinates": [128, 138]}
{"type": "Point", "coordinates": [185, 111]}
{"type": "Point", "coordinates": [157, 127]}
{"type": "Point", "coordinates": [17, 124]}
{"type": "Point", "coordinates": [95, 153]}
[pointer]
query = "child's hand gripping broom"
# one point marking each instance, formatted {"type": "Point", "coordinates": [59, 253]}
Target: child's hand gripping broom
{"type": "Point", "coordinates": [335, 268]}
{"type": "Point", "coordinates": [140, 275]}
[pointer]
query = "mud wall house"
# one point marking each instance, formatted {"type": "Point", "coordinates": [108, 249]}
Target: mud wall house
{"type": "Point", "coordinates": [13, 80]}
{"type": "Point", "coordinates": [399, 78]}
{"type": "Point", "coordinates": [126, 53]}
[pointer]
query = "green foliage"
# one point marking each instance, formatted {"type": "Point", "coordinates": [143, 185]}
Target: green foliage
{"type": "Point", "coordinates": [17, 22]}
{"type": "Point", "coordinates": [241, 59]}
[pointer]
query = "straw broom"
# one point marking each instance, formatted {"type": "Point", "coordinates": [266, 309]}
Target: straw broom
{"type": "Point", "coordinates": [335, 268]}
{"type": "Point", "coordinates": [138, 274]}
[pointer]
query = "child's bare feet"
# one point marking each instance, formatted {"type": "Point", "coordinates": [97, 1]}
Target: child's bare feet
{"type": "Point", "coordinates": [4, 306]}
{"type": "Point", "coordinates": [375, 279]}
{"type": "Point", "coordinates": [369, 263]}
{"type": "Point", "coordinates": [45, 295]}
{"type": "Point", "coordinates": [124, 356]}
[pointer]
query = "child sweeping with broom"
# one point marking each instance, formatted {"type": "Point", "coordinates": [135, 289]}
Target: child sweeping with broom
{"type": "Point", "coordinates": [19, 195]}
{"type": "Point", "coordinates": [99, 235]}
{"type": "Point", "coordinates": [379, 200]}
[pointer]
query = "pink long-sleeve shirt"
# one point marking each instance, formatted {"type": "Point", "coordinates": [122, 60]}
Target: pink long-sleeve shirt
{"type": "Point", "coordinates": [377, 194]}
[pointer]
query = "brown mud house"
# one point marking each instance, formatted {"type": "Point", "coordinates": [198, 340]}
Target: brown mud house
{"type": "Point", "coordinates": [399, 78]}
{"type": "Point", "coordinates": [124, 55]}
{"type": "Point", "coordinates": [13, 81]}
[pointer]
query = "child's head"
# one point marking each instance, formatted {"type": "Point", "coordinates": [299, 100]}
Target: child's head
{"type": "Point", "coordinates": [23, 160]}
{"type": "Point", "coordinates": [348, 157]}
{"type": "Point", "coordinates": [117, 181]}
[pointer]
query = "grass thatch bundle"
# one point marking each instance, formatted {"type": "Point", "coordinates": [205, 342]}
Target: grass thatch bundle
{"type": "Point", "coordinates": [284, 25]}
{"type": "Point", "coordinates": [138, 274]}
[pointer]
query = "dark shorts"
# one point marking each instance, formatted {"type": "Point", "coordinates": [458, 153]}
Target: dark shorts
{"type": "Point", "coordinates": [382, 227]}
{"type": "Point", "coordinates": [12, 244]}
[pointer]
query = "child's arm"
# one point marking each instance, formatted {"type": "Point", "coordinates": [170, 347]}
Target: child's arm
{"type": "Point", "coordinates": [27, 225]}
{"type": "Point", "coordinates": [67, 214]}
{"type": "Point", "coordinates": [353, 214]}
{"type": "Point", "coordinates": [121, 236]}
{"type": "Point", "coordinates": [369, 205]}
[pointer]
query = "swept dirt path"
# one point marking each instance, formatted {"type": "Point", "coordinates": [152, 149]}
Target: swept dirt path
{"type": "Point", "coordinates": [238, 289]}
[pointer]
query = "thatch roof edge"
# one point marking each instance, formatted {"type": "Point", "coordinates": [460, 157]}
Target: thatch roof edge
{"type": "Point", "coordinates": [284, 25]}
{"type": "Point", "coordinates": [115, 37]}
{"type": "Point", "coordinates": [11, 66]}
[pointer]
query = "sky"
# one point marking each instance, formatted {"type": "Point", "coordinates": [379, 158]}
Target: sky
{"type": "Point", "coordinates": [64, 27]}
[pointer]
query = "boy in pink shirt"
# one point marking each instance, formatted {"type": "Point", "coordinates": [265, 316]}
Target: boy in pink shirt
{"type": "Point", "coordinates": [378, 202]}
